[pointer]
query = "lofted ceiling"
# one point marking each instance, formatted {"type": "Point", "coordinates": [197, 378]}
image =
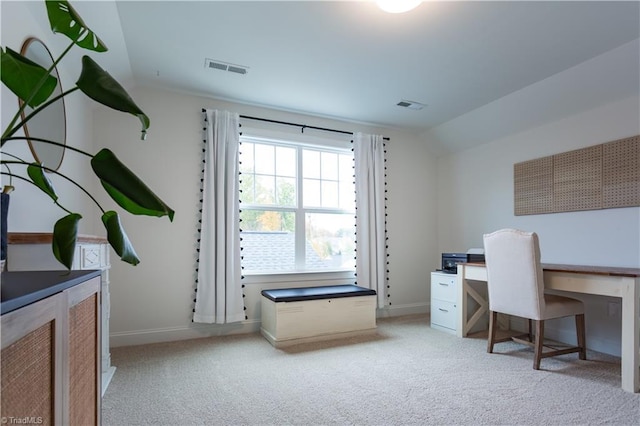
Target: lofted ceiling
{"type": "Point", "coordinates": [349, 60]}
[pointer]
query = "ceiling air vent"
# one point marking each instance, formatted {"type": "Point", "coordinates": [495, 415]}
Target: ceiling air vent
{"type": "Point", "coordinates": [237, 70]}
{"type": "Point", "coordinates": [411, 104]}
{"type": "Point", "coordinates": [225, 66]}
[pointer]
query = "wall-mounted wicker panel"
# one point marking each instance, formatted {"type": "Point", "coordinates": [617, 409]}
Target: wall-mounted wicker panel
{"type": "Point", "coordinates": [534, 186]}
{"type": "Point", "coordinates": [621, 173]}
{"type": "Point", "coordinates": [597, 177]}
{"type": "Point", "coordinates": [577, 180]}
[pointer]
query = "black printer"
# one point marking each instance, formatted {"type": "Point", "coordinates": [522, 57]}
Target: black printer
{"type": "Point", "coordinates": [450, 260]}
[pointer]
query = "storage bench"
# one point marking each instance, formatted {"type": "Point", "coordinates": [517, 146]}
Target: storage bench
{"type": "Point", "coordinates": [305, 314]}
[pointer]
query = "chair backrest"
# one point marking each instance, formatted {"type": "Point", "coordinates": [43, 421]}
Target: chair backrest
{"type": "Point", "coordinates": [515, 280]}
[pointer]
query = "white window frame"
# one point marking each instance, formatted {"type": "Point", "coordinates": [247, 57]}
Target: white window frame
{"type": "Point", "coordinates": [301, 143]}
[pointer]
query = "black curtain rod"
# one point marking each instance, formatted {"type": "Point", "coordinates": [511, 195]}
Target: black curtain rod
{"type": "Point", "coordinates": [302, 126]}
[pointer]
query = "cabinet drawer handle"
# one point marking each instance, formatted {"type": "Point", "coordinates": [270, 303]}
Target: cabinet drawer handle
{"type": "Point", "coordinates": [443, 310]}
{"type": "Point", "coordinates": [444, 284]}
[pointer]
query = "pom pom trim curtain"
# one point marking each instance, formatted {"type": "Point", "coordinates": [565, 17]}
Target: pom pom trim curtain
{"type": "Point", "coordinates": [219, 291]}
{"type": "Point", "coordinates": [371, 244]}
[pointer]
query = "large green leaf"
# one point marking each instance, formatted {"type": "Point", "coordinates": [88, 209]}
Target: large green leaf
{"type": "Point", "coordinates": [22, 76]}
{"type": "Point", "coordinates": [118, 238]}
{"type": "Point", "coordinates": [98, 84]}
{"type": "Point", "coordinates": [36, 173]}
{"type": "Point", "coordinates": [65, 235]}
{"type": "Point", "coordinates": [65, 20]}
{"type": "Point", "coordinates": [126, 188]}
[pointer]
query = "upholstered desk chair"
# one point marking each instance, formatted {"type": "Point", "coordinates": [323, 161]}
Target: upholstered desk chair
{"type": "Point", "coordinates": [516, 287]}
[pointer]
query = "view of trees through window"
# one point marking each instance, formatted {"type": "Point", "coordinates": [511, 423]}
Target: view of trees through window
{"type": "Point", "coordinates": [297, 207]}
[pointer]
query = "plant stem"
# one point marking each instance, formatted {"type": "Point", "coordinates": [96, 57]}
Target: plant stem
{"type": "Point", "coordinates": [9, 132]}
{"type": "Point", "coordinates": [12, 156]}
{"type": "Point", "coordinates": [11, 175]}
{"type": "Point", "coordinates": [24, 163]}
{"type": "Point", "coordinates": [14, 138]}
{"type": "Point", "coordinates": [8, 168]}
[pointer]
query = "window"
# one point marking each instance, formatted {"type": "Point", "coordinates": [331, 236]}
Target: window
{"type": "Point", "coordinates": [297, 207]}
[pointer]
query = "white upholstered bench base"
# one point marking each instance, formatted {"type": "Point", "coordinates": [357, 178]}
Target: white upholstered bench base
{"type": "Point", "coordinates": [286, 323]}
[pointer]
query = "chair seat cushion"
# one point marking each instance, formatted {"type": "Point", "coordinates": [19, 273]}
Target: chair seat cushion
{"type": "Point", "coordinates": [560, 306]}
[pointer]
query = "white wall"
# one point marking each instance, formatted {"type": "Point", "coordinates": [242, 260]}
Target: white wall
{"type": "Point", "coordinates": [478, 198]}
{"type": "Point", "coordinates": [30, 209]}
{"type": "Point", "coordinates": [153, 301]}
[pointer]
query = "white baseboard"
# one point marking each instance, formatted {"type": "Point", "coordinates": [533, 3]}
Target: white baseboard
{"type": "Point", "coordinates": [197, 331]}
{"type": "Point", "coordinates": [193, 331]}
{"type": "Point", "coordinates": [400, 310]}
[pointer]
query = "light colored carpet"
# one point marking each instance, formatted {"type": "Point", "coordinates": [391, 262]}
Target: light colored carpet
{"type": "Point", "coordinates": [406, 374]}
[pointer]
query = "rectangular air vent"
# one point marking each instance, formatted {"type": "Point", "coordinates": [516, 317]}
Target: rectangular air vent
{"type": "Point", "coordinates": [411, 104]}
{"type": "Point", "coordinates": [237, 70]}
{"type": "Point", "coordinates": [225, 66]}
{"type": "Point", "coordinates": [217, 65]}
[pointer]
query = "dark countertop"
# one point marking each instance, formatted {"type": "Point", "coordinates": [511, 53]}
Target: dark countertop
{"type": "Point", "coordinates": [18, 289]}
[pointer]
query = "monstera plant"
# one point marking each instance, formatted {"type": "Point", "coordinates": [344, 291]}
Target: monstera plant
{"type": "Point", "coordinates": [34, 86]}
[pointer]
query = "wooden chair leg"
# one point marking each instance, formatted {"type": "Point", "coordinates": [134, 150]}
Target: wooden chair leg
{"type": "Point", "coordinates": [530, 330]}
{"type": "Point", "coordinates": [493, 319]}
{"type": "Point", "coordinates": [538, 344]}
{"type": "Point", "coordinates": [580, 332]}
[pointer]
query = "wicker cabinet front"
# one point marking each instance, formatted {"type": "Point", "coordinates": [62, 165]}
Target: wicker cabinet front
{"type": "Point", "coordinates": [50, 359]}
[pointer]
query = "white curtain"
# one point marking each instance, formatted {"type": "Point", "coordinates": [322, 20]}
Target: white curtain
{"type": "Point", "coordinates": [371, 253]}
{"type": "Point", "coordinates": [219, 291]}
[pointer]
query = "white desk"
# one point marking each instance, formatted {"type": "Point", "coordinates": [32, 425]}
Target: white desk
{"type": "Point", "coordinates": [615, 282]}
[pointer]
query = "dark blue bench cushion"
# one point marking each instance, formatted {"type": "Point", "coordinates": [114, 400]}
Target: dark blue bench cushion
{"type": "Point", "coordinates": [316, 293]}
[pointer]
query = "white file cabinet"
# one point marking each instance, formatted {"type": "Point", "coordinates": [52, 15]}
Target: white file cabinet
{"type": "Point", "coordinates": [444, 309]}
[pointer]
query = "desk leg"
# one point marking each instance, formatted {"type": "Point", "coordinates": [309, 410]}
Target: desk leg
{"type": "Point", "coordinates": [462, 302]}
{"type": "Point", "coordinates": [631, 336]}
{"type": "Point", "coordinates": [464, 291]}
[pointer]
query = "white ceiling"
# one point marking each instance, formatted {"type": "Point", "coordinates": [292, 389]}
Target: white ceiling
{"type": "Point", "coordinates": [349, 60]}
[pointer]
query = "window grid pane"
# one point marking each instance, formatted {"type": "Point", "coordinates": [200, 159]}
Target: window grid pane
{"type": "Point", "coordinates": [329, 194]}
{"type": "Point", "coordinates": [268, 240]}
{"type": "Point", "coordinates": [335, 174]}
{"type": "Point", "coordinates": [330, 241]}
{"type": "Point", "coordinates": [264, 159]}
{"type": "Point", "coordinates": [311, 193]}
{"type": "Point", "coordinates": [329, 165]}
{"type": "Point", "coordinates": [260, 183]}
{"type": "Point", "coordinates": [285, 161]}
{"type": "Point", "coordinates": [265, 189]}
{"type": "Point", "coordinates": [311, 164]}
{"type": "Point", "coordinates": [286, 191]}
